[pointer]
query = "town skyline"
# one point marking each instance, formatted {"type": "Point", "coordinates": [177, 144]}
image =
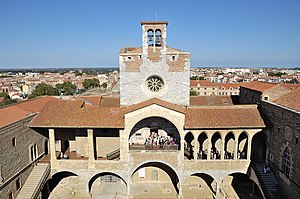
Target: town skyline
{"type": "Point", "coordinates": [76, 34]}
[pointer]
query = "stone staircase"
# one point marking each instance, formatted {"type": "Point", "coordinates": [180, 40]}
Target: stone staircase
{"type": "Point", "coordinates": [269, 183]}
{"type": "Point", "coordinates": [35, 181]}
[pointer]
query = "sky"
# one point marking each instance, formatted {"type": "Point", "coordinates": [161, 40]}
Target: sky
{"type": "Point", "coordinates": [220, 33]}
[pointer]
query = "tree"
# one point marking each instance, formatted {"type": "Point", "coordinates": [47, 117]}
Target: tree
{"type": "Point", "coordinates": [104, 85]}
{"type": "Point", "coordinates": [193, 93]}
{"type": "Point", "coordinates": [43, 89]}
{"type": "Point", "coordinates": [4, 95]}
{"type": "Point", "coordinates": [91, 83]}
{"type": "Point", "coordinates": [67, 88]}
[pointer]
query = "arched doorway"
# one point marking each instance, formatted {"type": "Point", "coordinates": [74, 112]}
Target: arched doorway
{"type": "Point", "coordinates": [229, 146]}
{"type": "Point", "coordinates": [154, 180]}
{"type": "Point", "coordinates": [216, 145]}
{"type": "Point", "coordinates": [242, 146]}
{"type": "Point", "coordinates": [259, 147]}
{"type": "Point", "coordinates": [203, 146]}
{"type": "Point", "coordinates": [199, 185]}
{"type": "Point", "coordinates": [107, 185]}
{"type": "Point", "coordinates": [239, 185]}
{"type": "Point", "coordinates": [154, 133]}
{"type": "Point", "coordinates": [188, 146]}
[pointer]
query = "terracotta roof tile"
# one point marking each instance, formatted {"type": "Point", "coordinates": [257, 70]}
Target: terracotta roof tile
{"type": "Point", "coordinates": [110, 102]}
{"type": "Point", "coordinates": [210, 101]}
{"type": "Point", "coordinates": [290, 100]}
{"type": "Point", "coordinates": [155, 101]}
{"type": "Point", "coordinates": [259, 86]}
{"type": "Point", "coordinates": [16, 112]}
{"type": "Point", "coordinates": [72, 114]}
{"type": "Point", "coordinates": [93, 100]}
{"type": "Point", "coordinates": [245, 116]}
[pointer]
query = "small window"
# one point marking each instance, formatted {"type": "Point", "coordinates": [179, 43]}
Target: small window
{"type": "Point", "coordinates": [129, 58]}
{"type": "Point", "coordinates": [13, 141]}
{"type": "Point", "coordinates": [266, 98]}
{"type": "Point", "coordinates": [11, 196]}
{"type": "Point", "coordinates": [18, 184]}
{"type": "Point", "coordinates": [140, 56]}
{"type": "Point", "coordinates": [204, 93]}
{"type": "Point", "coordinates": [297, 140]}
{"type": "Point", "coordinates": [286, 162]}
{"type": "Point", "coordinates": [173, 57]}
{"type": "Point", "coordinates": [213, 88]}
{"type": "Point", "coordinates": [204, 88]}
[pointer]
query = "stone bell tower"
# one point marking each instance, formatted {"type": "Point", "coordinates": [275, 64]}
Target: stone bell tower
{"type": "Point", "coordinates": [155, 70]}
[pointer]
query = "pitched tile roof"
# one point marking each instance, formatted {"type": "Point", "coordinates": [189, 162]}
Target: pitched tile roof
{"type": "Point", "coordinates": [210, 101]}
{"type": "Point", "coordinates": [259, 86]}
{"type": "Point", "coordinates": [72, 114]}
{"type": "Point", "coordinates": [16, 112]}
{"type": "Point", "coordinates": [93, 100]}
{"type": "Point", "coordinates": [155, 101]}
{"type": "Point", "coordinates": [290, 100]}
{"type": "Point", "coordinates": [238, 116]}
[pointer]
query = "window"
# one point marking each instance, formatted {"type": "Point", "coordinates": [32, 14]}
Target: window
{"type": "Point", "coordinates": [204, 88]}
{"type": "Point", "coordinates": [33, 152]}
{"type": "Point", "coordinates": [150, 37]}
{"type": "Point", "coordinates": [18, 184]}
{"type": "Point", "coordinates": [266, 98]}
{"type": "Point", "coordinates": [173, 57]}
{"type": "Point", "coordinates": [204, 93]}
{"type": "Point", "coordinates": [286, 162]}
{"type": "Point", "coordinates": [11, 196]}
{"type": "Point", "coordinates": [157, 37]}
{"type": "Point", "coordinates": [13, 141]}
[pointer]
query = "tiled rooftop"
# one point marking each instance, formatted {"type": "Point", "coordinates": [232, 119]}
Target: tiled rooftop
{"type": "Point", "coordinates": [210, 101]}
{"type": "Point", "coordinates": [241, 116]}
{"type": "Point", "coordinates": [16, 112]}
{"type": "Point", "coordinates": [290, 100]}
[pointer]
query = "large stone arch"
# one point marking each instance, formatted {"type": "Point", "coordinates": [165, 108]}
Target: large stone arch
{"type": "Point", "coordinates": [154, 126]}
{"type": "Point", "coordinates": [240, 185]}
{"type": "Point", "coordinates": [110, 184]}
{"type": "Point", "coordinates": [54, 181]}
{"type": "Point", "coordinates": [159, 166]}
{"type": "Point", "coordinates": [199, 184]}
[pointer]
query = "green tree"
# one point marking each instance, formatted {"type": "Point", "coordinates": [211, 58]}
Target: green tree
{"type": "Point", "coordinates": [193, 93]}
{"type": "Point", "coordinates": [90, 83]}
{"type": "Point", "coordinates": [5, 95]}
{"type": "Point", "coordinates": [43, 89]}
{"type": "Point", "coordinates": [67, 88]}
{"type": "Point", "coordinates": [104, 85]}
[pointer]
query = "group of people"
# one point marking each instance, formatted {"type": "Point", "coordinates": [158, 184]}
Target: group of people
{"type": "Point", "coordinates": [215, 154]}
{"type": "Point", "coordinates": [159, 140]}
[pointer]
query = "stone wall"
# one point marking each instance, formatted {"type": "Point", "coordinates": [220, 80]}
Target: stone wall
{"type": "Point", "coordinates": [15, 157]}
{"type": "Point", "coordinates": [284, 127]}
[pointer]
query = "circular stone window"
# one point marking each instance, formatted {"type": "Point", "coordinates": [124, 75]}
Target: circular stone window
{"type": "Point", "coordinates": [154, 83]}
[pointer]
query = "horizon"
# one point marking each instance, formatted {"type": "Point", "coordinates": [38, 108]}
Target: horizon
{"type": "Point", "coordinates": [75, 34]}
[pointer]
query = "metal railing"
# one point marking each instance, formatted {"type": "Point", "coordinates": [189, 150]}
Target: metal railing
{"type": "Point", "coordinates": [173, 147]}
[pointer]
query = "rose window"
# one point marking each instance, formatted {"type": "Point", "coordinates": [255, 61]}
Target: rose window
{"type": "Point", "coordinates": [154, 83]}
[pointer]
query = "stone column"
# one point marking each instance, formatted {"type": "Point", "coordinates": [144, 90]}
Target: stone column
{"type": "Point", "coordinates": [249, 147]}
{"type": "Point", "coordinates": [196, 149]}
{"type": "Point", "coordinates": [52, 146]}
{"type": "Point", "coordinates": [208, 148]}
{"type": "Point", "coordinates": [91, 154]}
{"type": "Point", "coordinates": [222, 149]}
{"type": "Point", "coordinates": [236, 146]}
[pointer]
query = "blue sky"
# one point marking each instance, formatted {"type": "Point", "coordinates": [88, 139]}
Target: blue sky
{"type": "Point", "coordinates": [70, 33]}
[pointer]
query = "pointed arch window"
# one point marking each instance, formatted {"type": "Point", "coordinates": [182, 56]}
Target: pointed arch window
{"type": "Point", "coordinates": [150, 35]}
{"type": "Point", "coordinates": [157, 37]}
{"type": "Point", "coordinates": [286, 162]}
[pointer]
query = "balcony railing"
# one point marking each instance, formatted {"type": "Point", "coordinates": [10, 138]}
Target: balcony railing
{"type": "Point", "coordinates": [138, 147]}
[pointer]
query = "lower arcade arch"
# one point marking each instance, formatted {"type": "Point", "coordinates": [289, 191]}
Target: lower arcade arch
{"type": "Point", "coordinates": [199, 185]}
{"type": "Point", "coordinates": [107, 184]}
{"type": "Point", "coordinates": [239, 185]}
{"type": "Point", "coordinates": [54, 182]}
{"type": "Point", "coordinates": [154, 180]}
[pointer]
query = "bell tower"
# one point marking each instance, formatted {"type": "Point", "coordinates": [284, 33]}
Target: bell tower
{"type": "Point", "coordinates": [155, 70]}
